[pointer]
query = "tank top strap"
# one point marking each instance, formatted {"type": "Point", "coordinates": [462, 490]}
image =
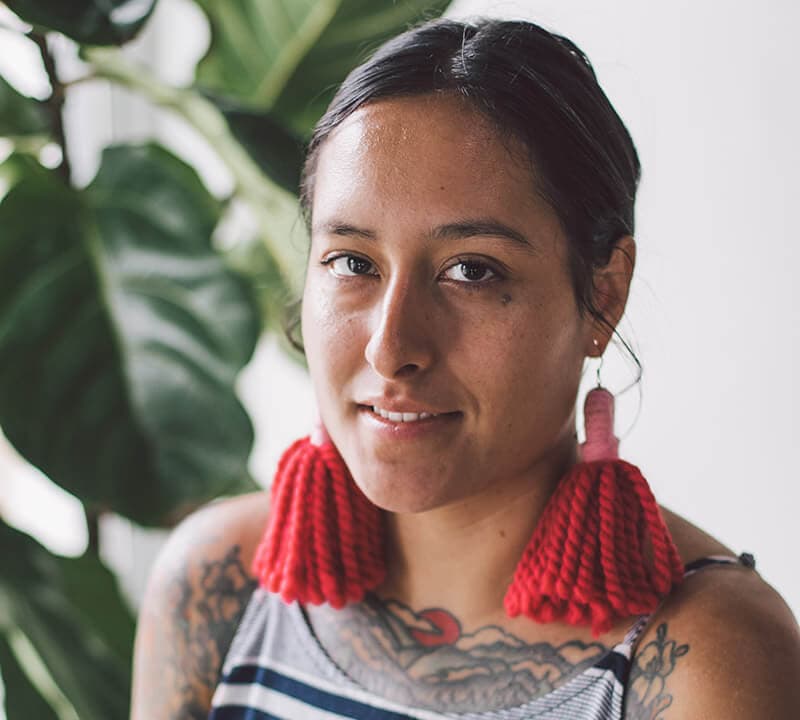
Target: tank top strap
{"type": "Point", "coordinates": [745, 559]}
{"type": "Point", "coordinates": [640, 624]}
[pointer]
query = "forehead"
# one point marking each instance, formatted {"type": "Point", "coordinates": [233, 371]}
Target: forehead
{"type": "Point", "coordinates": [424, 154]}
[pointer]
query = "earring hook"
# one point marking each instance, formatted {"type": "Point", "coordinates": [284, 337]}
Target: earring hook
{"type": "Point", "coordinates": [600, 364]}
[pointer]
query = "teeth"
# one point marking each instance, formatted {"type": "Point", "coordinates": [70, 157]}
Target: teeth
{"type": "Point", "coordinates": [400, 417]}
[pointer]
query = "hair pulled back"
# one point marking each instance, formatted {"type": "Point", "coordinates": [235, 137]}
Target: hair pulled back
{"type": "Point", "coordinates": [533, 85]}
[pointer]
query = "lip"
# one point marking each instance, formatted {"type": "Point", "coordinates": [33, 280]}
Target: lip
{"type": "Point", "coordinates": [402, 405]}
{"type": "Point", "coordinates": [428, 427]}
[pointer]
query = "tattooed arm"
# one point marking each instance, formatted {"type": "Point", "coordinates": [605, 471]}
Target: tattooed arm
{"type": "Point", "coordinates": [725, 647]}
{"type": "Point", "coordinates": [196, 595]}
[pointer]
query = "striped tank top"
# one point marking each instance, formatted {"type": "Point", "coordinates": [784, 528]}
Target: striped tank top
{"type": "Point", "coordinates": [277, 670]}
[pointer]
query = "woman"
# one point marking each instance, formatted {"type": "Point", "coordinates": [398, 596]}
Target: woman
{"type": "Point", "coordinates": [470, 197]}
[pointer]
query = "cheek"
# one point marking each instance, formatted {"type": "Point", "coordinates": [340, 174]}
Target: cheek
{"type": "Point", "coordinates": [332, 337]}
{"type": "Point", "coordinates": [532, 356]}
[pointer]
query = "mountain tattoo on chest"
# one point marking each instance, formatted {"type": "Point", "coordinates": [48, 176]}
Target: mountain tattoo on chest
{"type": "Point", "coordinates": [424, 658]}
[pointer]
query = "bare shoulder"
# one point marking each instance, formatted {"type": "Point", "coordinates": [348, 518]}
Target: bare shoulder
{"type": "Point", "coordinates": [724, 645]}
{"type": "Point", "coordinates": [196, 594]}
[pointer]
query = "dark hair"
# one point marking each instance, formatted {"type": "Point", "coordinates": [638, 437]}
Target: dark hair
{"type": "Point", "coordinates": [532, 85]}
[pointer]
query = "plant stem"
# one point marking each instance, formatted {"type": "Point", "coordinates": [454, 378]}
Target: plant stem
{"type": "Point", "coordinates": [275, 209]}
{"type": "Point", "coordinates": [55, 103]}
{"type": "Point", "coordinates": [88, 77]}
{"type": "Point", "coordinates": [55, 106]}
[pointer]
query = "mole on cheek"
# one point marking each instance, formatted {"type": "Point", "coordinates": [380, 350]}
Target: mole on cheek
{"type": "Point", "coordinates": [505, 299]}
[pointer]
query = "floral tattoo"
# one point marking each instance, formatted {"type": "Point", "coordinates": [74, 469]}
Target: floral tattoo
{"type": "Point", "coordinates": [648, 697]}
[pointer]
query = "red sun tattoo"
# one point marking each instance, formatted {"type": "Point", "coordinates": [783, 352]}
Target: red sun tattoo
{"type": "Point", "coordinates": [446, 629]}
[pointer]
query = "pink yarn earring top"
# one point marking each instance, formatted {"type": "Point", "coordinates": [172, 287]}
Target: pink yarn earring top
{"type": "Point", "coordinates": [598, 414]}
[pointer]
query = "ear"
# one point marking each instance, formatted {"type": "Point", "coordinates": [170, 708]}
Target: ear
{"type": "Point", "coordinates": [611, 285]}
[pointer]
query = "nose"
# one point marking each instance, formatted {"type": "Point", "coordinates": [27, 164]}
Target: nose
{"type": "Point", "coordinates": [402, 340]}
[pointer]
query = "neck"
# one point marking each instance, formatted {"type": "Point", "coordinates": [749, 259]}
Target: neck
{"type": "Point", "coordinates": [462, 557]}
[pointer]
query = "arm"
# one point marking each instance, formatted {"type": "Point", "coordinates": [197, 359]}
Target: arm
{"type": "Point", "coordinates": [195, 598]}
{"type": "Point", "coordinates": [726, 647]}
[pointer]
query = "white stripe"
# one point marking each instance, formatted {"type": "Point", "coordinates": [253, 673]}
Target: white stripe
{"type": "Point", "coordinates": [337, 689]}
{"type": "Point", "coordinates": [270, 701]}
{"type": "Point", "coordinates": [606, 673]}
{"type": "Point", "coordinates": [581, 697]}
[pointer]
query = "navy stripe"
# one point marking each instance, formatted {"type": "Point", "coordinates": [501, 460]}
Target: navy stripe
{"type": "Point", "coordinates": [617, 663]}
{"type": "Point", "coordinates": [239, 712]}
{"type": "Point", "coordinates": [253, 674]}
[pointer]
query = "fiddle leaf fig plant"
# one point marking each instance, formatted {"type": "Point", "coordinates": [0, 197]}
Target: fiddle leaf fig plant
{"type": "Point", "coordinates": [97, 22]}
{"type": "Point", "coordinates": [123, 324]}
{"type": "Point", "coordinates": [20, 117]}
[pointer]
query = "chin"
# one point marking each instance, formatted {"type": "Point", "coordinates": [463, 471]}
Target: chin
{"type": "Point", "coordinates": [401, 492]}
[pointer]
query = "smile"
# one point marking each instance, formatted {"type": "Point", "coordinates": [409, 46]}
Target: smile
{"type": "Point", "coordinates": [398, 425]}
{"type": "Point", "coordinates": [401, 416]}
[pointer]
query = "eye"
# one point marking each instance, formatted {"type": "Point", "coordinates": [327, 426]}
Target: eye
{"type": "Point", "coordinates": [470, 271]}
{"type": "Point", "coordinates": [349, 265]}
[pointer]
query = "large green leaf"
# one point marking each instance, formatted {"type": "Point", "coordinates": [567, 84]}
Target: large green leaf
{"type": "Point", "coordinates": [20, 115]}
{"type": "Point", "coordinates": [121, 335]}
{"type": "Point", "coordinates": [358, 27]}
{"type": "Point", "coordinates": [257, 44]}
{"type": "Point", "coordinates": [278, 152]}
{"type": "Point", "coordinates": [291, 55]}
{"type": "Point", "coordinates": [23, 700]}
{"type": "Point", "coordinates": [97, 22]}
{"type": "Point", "coordinates": [34, 602]}
{"type": "Point", "coordinates": [93, 591]}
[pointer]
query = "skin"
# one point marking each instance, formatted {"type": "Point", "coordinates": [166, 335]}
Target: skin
{"type": "Point", "coordinates": [414, 297]}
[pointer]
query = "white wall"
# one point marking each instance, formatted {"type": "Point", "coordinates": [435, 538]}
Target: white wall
{"type": "Point", "coordinates": [708, 90]}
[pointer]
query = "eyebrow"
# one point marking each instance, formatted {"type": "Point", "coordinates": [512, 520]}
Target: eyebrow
{"type": "Point", "coordinates": [485, 227]}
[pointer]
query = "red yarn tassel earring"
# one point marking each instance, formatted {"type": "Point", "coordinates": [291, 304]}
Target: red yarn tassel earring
{"type": "Point", "coordinates": [324, 539]}
{"type": "Point", "coordinates": [601, 550]}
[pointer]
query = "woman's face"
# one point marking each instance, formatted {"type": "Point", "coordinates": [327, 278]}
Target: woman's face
{"type": "Point", "coordinates": [438, 284]}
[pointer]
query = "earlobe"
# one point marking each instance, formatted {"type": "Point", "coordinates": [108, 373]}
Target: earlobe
{"type": "Point", "coordinates": [611, 285]}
